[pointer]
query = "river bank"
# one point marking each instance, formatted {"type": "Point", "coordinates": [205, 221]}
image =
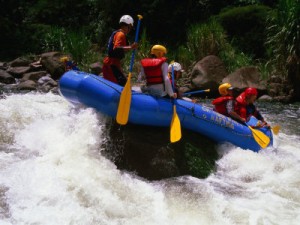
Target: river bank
{"type": "Point", "coordinates": [41, 73]}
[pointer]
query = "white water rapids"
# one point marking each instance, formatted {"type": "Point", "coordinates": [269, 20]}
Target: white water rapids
{"type": "Point", "coordinates": [52, 173]}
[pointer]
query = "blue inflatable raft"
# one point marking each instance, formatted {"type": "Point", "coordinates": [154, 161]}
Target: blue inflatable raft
{"type": "Point", "coordinates": [94, 91]}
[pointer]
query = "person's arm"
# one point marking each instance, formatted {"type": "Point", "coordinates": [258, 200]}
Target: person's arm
{"type": "Point", "coordinates": [232, 113]}
{"type": "Point", "coordinates": [121, 43]}
{"type": "Point", "coordinates": [168, 85]}
{"type": "Point", "coordinates": [261, 118]}
{"type": "Point", "coordinates": [141, 76]}
{"type": "Point", "coordinates": [130, 47]}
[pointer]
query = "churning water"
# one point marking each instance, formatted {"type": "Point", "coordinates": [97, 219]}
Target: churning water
{"type": "Point", "coordinates": [52, 172]}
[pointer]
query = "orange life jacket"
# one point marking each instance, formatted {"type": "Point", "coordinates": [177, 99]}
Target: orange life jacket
{"type": "Point", "coordinates": [152, 69]}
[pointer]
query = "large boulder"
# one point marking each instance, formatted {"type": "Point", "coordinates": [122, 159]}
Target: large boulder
{"type": "Point", "coordinates": [51, 61]}
{"type": "Point", "coordinates": [208, 73]}
{"type": "Point", "coordinates": [246, 77]}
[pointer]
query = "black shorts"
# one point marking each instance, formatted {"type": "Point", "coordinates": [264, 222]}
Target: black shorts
{"type": "Point", "coordinates": [121, 79]}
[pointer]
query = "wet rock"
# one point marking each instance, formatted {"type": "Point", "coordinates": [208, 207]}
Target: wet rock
{"type": "Point", "coordinates": [34, 76]}
{"type": "Point", "coordinates": [18, 72]}
{"type": "Point", "coordinates": [208, 73]}
{"type": "Point", "coordinates": [6, 78]}
{"type": "Point", "coordinates": [27, 85]}
{"type": "Point", "coordinates": [96, 68]}
{"type": "Point", "coordinates": [51, 61]}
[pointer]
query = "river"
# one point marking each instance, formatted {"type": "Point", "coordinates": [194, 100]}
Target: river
{"type": "Point", "coordinates": [52, 172]}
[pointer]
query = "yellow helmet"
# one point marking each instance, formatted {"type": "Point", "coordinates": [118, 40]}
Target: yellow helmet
{"type": "Point", "coordinates": [223, 88]}
{"type": "Point", "coordinates": [158, 51]}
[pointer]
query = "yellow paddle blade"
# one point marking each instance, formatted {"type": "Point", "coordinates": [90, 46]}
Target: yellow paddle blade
{"type": "Point", "coordinates": [175, 131]}
{"type": "Point", "coordinates": [276, 129]}
{"type": "Point", "coordinates": [261, 139]}
{"type": "Point", "coordinates": [124, 104]}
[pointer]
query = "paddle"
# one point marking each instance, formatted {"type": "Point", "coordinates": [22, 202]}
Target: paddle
{"type": "Point", "coordinates": [125, 98]}
{"type": "Point", "coordinates": [195, 92]}
{"type": "Point", "coordinates": [275, 129]}
{"type": "Point", "coordinates": [261, 139]}
{"type": "Point", "coordinates": [175, 129]}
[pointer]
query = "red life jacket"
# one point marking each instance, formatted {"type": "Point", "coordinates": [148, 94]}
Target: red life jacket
{"type": "Point", "coordinates": [152, 69]}
{"type": "Point", "coordinates": [220, 104]}
{"type": "Point", "coordinates": [241, 106]}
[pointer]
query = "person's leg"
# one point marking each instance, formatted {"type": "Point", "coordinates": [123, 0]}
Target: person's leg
{"type": "Point", "coordinates": [107, 71]}
{"type": "Point", "coordinates": [121, 79]}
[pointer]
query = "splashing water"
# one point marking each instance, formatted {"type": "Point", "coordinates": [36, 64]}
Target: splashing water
{"type": "Point", "coordinates": [52, 172]}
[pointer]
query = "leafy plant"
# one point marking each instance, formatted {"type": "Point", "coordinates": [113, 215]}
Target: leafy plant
{"type": "Point", "coordinates": [205, 39]}
{"type": "Point", "coordinates": [74, 43]}
{"type": "Point", "coordinates": [284, 33]}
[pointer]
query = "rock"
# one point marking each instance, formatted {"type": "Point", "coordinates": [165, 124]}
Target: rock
{"type": "Point", "coordinates": [27, 85]}
{"type": "Point", "coordinates": [51, 61]}
{"type": "Point", "coordinates": [18, 72]}
{"type": "Point", "coordinates": [246, 77]}
{"type": "Point", "coordinates": [3, 66]}
{"type": "Point", "coordinates": [265, 98]}
{"type": "Point", "coordinates": [96, 68]}
{"type": "Point", "coordinates": [35, 76]}
{"type": "Point", "coordinates": [6, 78]}
{"type": "Point", "coordinates": [208, 73]}
{"type": "Point", "coordinates": [20, 62]}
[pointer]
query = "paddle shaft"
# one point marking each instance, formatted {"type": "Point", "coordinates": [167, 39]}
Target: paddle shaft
{"type": "Point", "coordinates": [135, 40]}
{"type": "Point", "coordinates": [195, 92]}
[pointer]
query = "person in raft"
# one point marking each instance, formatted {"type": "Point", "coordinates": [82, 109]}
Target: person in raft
{"type": "Point", "coordinates": [117, 46]}
{"type": "Point", "coordinates": [177, 75]}
{"type": "Point", "coordinates": [226, 103]}
{"type": "Point", "coordinates": [155, 71]}
{"type": "Point", "coordinates": [245, 106]}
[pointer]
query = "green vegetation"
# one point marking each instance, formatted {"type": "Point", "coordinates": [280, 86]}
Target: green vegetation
{"type": "Point", "coordinates": [233, 30]}
{"type": "Point", "coordinates": [199, 162]}
{"type": "Point", "coordinates": [245, 27]}
{"type": "Point", "coordinates": [72, 43]}
{"type": "Point", "coordinates": [210, 39]}
{"type": "Point", "coordinates": [284, 34]}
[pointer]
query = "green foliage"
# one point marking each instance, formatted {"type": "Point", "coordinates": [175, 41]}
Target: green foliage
{"type": "Point", "coordinates": [233, 58]}
{"type": "Point", "coordinates": [74, 43]}
{"type": "Point", "coordinates": [284, 33]}
{"type": "Point", "coordinates": [205, 39]}
{"type": "Point", "coordinates": [200, 162]}
{"type": "Point", "coordinates": [245, 27]}
{"type": "Point", "coordinates": [210, 39]}
{"type": "Point", "coordinates": [185, 57]}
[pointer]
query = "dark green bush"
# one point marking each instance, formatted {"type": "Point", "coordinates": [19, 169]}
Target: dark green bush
{"type": "Point", "coordinates": [245, 27]}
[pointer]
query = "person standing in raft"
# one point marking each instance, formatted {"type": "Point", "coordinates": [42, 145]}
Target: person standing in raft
{"type": "Point", "coordinates": [117, 46]}
{"type": "Point", "coordinates": [155, 71]}
{"type": "Point", "coordinates": [225, 104]}
{"type": "Point", "coordinates": [245, 106]}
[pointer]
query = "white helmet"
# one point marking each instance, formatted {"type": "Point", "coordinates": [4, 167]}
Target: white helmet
{"type": "Point", "coordinates": [176, 66]}
{"type": "Point", "coordinates": [126, 19]}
